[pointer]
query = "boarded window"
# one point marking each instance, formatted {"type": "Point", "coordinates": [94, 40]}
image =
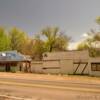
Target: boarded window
{"type": "Point", "coordinates": [95, 66]}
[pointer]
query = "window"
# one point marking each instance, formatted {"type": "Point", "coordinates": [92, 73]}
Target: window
{"type": "Point", "coordinates": [95, 66]}
{"type": "Point", "coordinates": [98, 67]}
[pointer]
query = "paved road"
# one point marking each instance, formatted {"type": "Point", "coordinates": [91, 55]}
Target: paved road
{"type": "Point", "coordinates": [40, 89]}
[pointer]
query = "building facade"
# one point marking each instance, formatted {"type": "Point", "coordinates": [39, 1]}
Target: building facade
{"type": "Point", "coordinates": [14, 61]}
{"type": "Point", "coordinates": [69, 62]}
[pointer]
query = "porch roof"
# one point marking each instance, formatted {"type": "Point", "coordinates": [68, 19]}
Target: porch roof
{"type": "Point", "coordinates": [13, 56]}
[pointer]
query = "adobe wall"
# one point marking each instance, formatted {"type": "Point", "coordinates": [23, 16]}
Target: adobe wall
{"type": "Point", "coordinates": [36, 66]}
{"type": "Point", "coordinates": [71, 62]}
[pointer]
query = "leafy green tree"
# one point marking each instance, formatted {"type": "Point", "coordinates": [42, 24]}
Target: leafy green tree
{"type": "Point", "coordinates": [18, 40]}
{"type": "Point", "coordinates": [4, 40]}
{"type": "Point", "coordinates": [95, 39]}
{"type": "Point", "coordinates": [98, 20]}
{"type": "Point", "coordinates": [55, 40]}
{"type": "Point", "coordinates": [38, 48]}
{"type": "Point", "coordinates": [82, 46]}
{"type": "Point", "coordinates": [61, 42]}
{"type": "Point", "coordinates": [90, 44]}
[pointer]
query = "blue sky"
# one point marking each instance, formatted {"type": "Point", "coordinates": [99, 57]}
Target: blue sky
{"type": "Point", "coordinates": [74, 17]}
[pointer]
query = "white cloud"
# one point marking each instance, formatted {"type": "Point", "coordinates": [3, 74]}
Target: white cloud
{"type": "Point", "coordinates": [85, 35]}
{"type": "Point", "coordinates": [73, 45]}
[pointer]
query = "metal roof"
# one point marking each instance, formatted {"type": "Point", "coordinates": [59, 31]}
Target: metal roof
{"type": "Point", "coordinates": [13, 56]}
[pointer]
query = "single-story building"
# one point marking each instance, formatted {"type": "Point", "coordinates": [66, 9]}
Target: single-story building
{"type": "Point", "coordinates": [67, 62]}
{"type": "Point", "coordinates": [14, 61]}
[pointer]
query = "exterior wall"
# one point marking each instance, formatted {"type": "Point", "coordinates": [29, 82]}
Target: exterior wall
{"type": "Point", "coordinates": [66, 66]}
{"type": "Point", "coordinates": [56, 55]}
{"type": "Point", "coordinates": [60, 62]}
{"type": "Point", "coordinates": [81, 55]}
{"type": "Point", "coordinates": [36, 66]}
{"type": "Point", "coordinates": [86, 71]}
{"type": "Point", "coordinates": [71, 62]}
{"type": "Point", "coordinates": [51, 63]}
{"type": "Point", "coordinates": [66, 55]}
{"type": "Point", "coordinates": [58, 66]}
{"type": "Point", "coordinates": [94, 60]}
{"type": "Point", "coordinates": [51, 66]}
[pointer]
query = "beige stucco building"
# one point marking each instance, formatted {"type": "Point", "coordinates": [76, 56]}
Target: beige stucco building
{"type": "Point", "coordinates": [68, 62]}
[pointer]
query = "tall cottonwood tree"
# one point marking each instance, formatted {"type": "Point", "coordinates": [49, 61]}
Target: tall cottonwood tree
{"type": "Point", "coordinates": [38, 47]}
{"type": "Point", "coordinates": [55, 40]}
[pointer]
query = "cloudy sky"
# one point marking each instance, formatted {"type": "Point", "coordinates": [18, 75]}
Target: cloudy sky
{"type": "Point", "coordinates": [74, 17]}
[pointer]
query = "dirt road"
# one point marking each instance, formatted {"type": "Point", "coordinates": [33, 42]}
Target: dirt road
{"type": "Point", "coordinates": [49, 87]}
